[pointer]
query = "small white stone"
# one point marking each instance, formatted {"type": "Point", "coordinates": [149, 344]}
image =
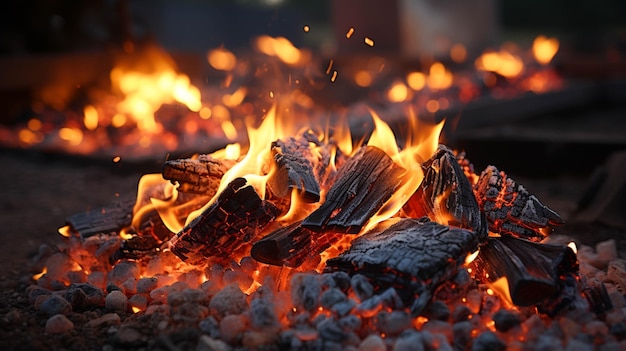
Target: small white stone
{"type": "Point", "coordinates": [116, 301]}
{"type": "Point", "coordinates": [58, 324]}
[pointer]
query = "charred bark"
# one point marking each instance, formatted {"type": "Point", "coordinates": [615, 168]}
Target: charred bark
{"type": "Point", "coordinates": [363, 184]}
{"type": "Point", "coordinates": [446, 196]}
{"type": "Point", "coordinates": [234, 219]}
{"type": "Point", "coordinates": [292, 245]}
{"type": "Point", "coordinates": [510, 209]}
{"type": "Point", "coordinates": [104, 220]}
{"type": "Point", "coordinates": [294, 169]}
{"type": "Point", "coordinates": [414, 256]}
{"type": "Point", "coordinates": [532, 270]}
{"type": "Point", "coordinates": [201, 175]}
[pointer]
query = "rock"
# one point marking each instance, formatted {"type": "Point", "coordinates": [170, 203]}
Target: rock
{"type": "Point", "coordinates": [437, 310]}
{"type": "Point", "coordinates": [54, 305]}
{"type": "Point", "coordinates": [116, 301]}
{"type": "Point", "coordinates": [230, 300]}
{"type": "Point", "coordinates": [342, 279]}
{"type": "Point", "coordinates": [329, 330]}
{"type": "Point", "coordinates": [505, 320]}
{"type": "Point", "coordinates": [488, 341]}
{"type": "Point", "coordinates": [106, 320]}
{"type": "Point", "coordinates": [547, 342]}
{"type": "Point", "coordinates": [618, 330]}
{"type": "Point", "coordinates": [58, 324]}
{"type": "Point", "coordinates": [331, 297]}
{"type": "Point", "coordinates": [435, 326]}
{"type": "Point", "coordinates": [232, 327]}
{"type": "Point", "coordinates": [373, 342]}
{"type": "Point", "coordinates": [145, 285]}
{"type": "Point", "coordinates": [462, 335]}
{"type": "Point", "coordinates": [210, 326]}
{"type": "Point", "coordinates": [409, 341]}
{"type": "Point", "coordinates": [138, 302]}
{"type": "Point", "coordinates": [616, 272]}
{"type": "Point", "coordinates": [84, 296]}
{"type": "Point", "coordinates": [122, 271]}
{"type": "Point", "coordinates": [350, 322]}
{"type": "Point", "coordinates": [461, 313]}
{"type": "Point", "coordinates": [305, 291]}
{"type": "Point", "coordinates": [128, 336]}
{"type": "Point", "coordinates": [394, 322]}
{"type": "Point", "coordinates": [362, 287]}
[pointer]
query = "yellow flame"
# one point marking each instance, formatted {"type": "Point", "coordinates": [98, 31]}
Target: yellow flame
{"type": "Point", "coordinates": [502, 62]}
{"type": "Point", "coordinates": [544, 49]}
{"type": "Point", "coordinates": [439, 77]}
{"type": "Point", "coordinates": [73, 136]}
{"type": "Point", "coordinates": [222, 59]}
{"type": "Point", "coordinates": [471, 257]}
{"type": "Point", "coordinates": [572, 245]}
{"type": "Point", "coordinates": [279, 47]}
{"type": "Point", "coordinates": [398, 92]}
{"type": "Point", "coordinates": [416, 80]}
{"type": "Point", "coordinates": [135, 309]}
{"type": "Point", "coordinates": [501, 286]}
{"type": "Point", "coordinates": [65, 231]}
{"type": "Point", "coordinates": [39, 275]}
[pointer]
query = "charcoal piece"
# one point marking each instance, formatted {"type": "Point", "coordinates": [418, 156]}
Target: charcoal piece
{"type": "Point", "coordinates": [135, 247]}
{"type": "Point", "coordinates": [510, 209]}
{"type": "Point", "coordinates": [234, 219]}
{"type": "Point", "coordinates": [446, 196]}
{"type": "Point", "coordinates": [413, 256]}
{"type": "Point", "coordinates": [292, 245]}
{"type": "Point", "coordinates": [305, 291]}
{"type": "Point", "coordinates": [104, 220]}
{"type": "Point", "coordinates": [364, 183]}
{"type": "Point", "coordinates": [201, 175]}
{"type": "Point", "coordinates": [532, 270]}
{"type": "Point", "coordinates": [294, 169]}
{"type": "Point", "coordinates": [598, 297]}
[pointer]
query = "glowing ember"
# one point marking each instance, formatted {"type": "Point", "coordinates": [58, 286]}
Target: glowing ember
{"type": "Point", "coordinates": [544, 49]}
{"type": "Point", "coordinates": [501, 62]}
{"type": "Point", "coordinates": [369, 41]}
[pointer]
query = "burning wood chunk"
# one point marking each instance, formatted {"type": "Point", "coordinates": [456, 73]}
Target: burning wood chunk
{"type": "Point", "coordinates": [294, 160]}
{"type": "Point", "coordinates": [234, 219]}
{"type": "Point", "coordinates": [532, 270]}
{"type": "Point", "coordinates": [292, 245]}
{"type": "Point", "coordinates": [510, 209]}
{"type": "Point", "coordinates": [414, 256]}
{"type": "Point", "coordinates": [201, 175]}
{"type": "Point", "coordinates": [364, 183]}
{"type": "Point", "coordinates": [446, 196]}
{"type": "Point", "coordinates": [108, 219]}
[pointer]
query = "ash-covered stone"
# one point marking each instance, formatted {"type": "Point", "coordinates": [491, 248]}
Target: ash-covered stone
{"type": "Point", "coordinates": [84, 295]}
{"type": "Point", "coordinates": [54, 305]}
{"type": "Point", "coordinates": [145, 285]}
{"type": "Point", "coordinates": [58, 324]}
{"type": "Point", "coordinates": [389, 299]}
{"type": "Point", "coordinates": [232, 328]}
{"type": "Point", "coordinates": [116, 301]}
{"type": "Point", "coordinates": [462, 335]}
{"type": "Point", "coordinates": [105, 320]}
{"type": "Point", "coordinates": [128, 336]}
{"type": "Point", "coordinates": [305, 291]}
{"type": "Point", "coordinates": [437, 310]}
{"type": "Point", "coordinates": [342, 279]}
{"type": "Point", "coordinates": [489, 341]}
{"type": "Point", "coordinates": [34, 291]}
{"type": "Point", "coordinates": [210, 326]}
{"type": "Point", "coordinates": [332, 296]}
{"type": "Point", "coordinates": [343, 308]}
{"type": "Point", "coordinates": [139, 301]}
{"type": "Point", "coordinates": [461, 313]}
{"type": "Point", "coordinates": [547, 342]}
{"type": "Point", "coordinates": [373, 342]}
{"type": "Point", "coordinates": [350, 322]}
{"type": "Point", "coordinates": [230, 300]}
{"type": "Point", "coordinates": [362, 287]}
{"type": "Point", "coordinates": [437, 327]}
{"type": "Point", "coordinates": [505, 320]}
{"type": "Point", "coordinates": [410, 340]}
{"type": "Point", "coordinates": [393, 323]}
{"type": "Point", "coordinates": [618, 330]}
{"type": "Point", "coordinates": [122, 271]}
{"type": "Point", "coordinates": [437, 342]}
{"type": "Point", "coordinates": [207, 343]}
{"type": "Point", "coordinates": [263, 315]}
{"type": "Point", "coordinates": [330, 330]}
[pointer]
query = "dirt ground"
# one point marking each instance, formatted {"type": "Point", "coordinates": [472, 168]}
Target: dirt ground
{"type": "Point", "coordinates": [40, 191]}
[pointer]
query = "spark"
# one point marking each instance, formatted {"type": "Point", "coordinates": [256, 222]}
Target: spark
{"type": "Point", "coordinates": [330, 67]}
{"type": "Point", "coordinates": [332, 79]}
{"type": "Point", "coordinates": [369, 41]}
{"type": "Point", "coordinates": [350, 32]}
{"type": "Point", "coordinates": [306, 28]}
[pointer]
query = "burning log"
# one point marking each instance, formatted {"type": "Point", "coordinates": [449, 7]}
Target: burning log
{"type": "Point", "coordinates": [201, 175]}
{"type": "Point", "coordinates": [234, 219]}
{"type": "Point", "coordinates": [364, 183]}
{"type": "Point", "coordinates": [414, 256]}
{"type": "Point", "coordinates": [510, 209]}
{"type": "Point", "coordinates": [294, 169]}
{"type": "Point", "coordinates": [292, 245]}
{"type": "Point", "coordinates": [446, 196]}
{"type": "Point", "coordinates": [532, 270]}
{"type": "Point", "coordinates": [108, 219]}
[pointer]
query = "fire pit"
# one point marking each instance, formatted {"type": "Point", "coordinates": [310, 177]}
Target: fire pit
{"type": "Point", "coordinates": [313, 228]}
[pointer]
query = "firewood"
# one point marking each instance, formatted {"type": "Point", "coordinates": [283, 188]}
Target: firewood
{"type": "Point", "coordinates": [201, 175]}
{"type": "Point", "coordinates": [292, 245]}
{"type": "Point", "coordinates": [446, 196]}
{"type": "Point", "coordinates": [234, 219]}
{"type": "Point", "coordinates": [103, 220]}
{"type": "Point", "coordinates": [414, 256]}
{"type": "Point", "coordinates": [363, 184]}
{"type": "Point", "coordinates": [293, 161]}
{"type": "Point", "coordinates": [510, 209]}
{"type": "Point", "coordinates": [532, 270]}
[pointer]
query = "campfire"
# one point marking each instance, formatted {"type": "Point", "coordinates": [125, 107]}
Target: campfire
{"type": "Point", "coordinates": [305, 238]}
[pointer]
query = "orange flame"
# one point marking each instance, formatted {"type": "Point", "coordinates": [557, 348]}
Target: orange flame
{"type": "Point", "coordinates": [544, 49]}
{"type": "Point", "coordinates": [502, 62]}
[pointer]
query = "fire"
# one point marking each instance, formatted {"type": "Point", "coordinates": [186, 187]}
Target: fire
{"type": "Point", "coordinates": [501, 62]}
{"type": "Point", "coordinates": [439, 78]}
{"type": "Point", "coordinates": [282, 48]}
{"type": "Point", "coordinates": [544, 49]}
{"type": "Point", "coordinates": [222, 59]}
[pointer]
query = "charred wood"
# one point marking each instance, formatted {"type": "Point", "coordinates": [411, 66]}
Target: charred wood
{"type": "Point", "coordinates": [532, 270]}
{"type": "Point", "coordinates": [363, 184]}
{"type": "Point", "coordinates": [104, 220]}
{"type": "Point", "coordinates": [234, 219]}
{"type": "Point", "coordinates": [413, 256]}
{"type": "Point", "coordinates": [292, 245]}
{"type": "Point", "coordinates": [299, 167]}
{"type": "Point", "coordinates": [201, 175]}
{"type": "Point", "coordinates": [446, 196]}
{"type": "Point", "coordinates": [510, 209]}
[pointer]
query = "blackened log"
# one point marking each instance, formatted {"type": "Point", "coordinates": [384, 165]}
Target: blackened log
{"type": "Point", "coordinates": [510, 209]}
{"type": "Point", "coordinates": [234, 219]}
{"type": "Point", "coordinates": [363, 184]}
{"type": "Point", "coordinates": [201, 175]}
{"type": "Point", "coordinates": [446, 195]}
{"type": "Point", "coordinates": [413, 256]}
{"type": "Point", "coordinates": [292, 245]}
{"type": "Point", "coordinates": [104, 220]}
{"type": "Point", "coordinates": [532, 270]}
{"type": "Point", "coordinates": [293, 162]}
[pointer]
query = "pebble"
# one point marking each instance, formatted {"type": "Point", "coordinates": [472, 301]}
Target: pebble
{"type": "Point", "coordinates": [616, 272]}
{"type": "Point", "coordinates": [34, 291]}
{"type": "Point", "coordinates": [342, 279]}
{"type": "Point", "coordinates": [331, 297]}
{"type": "Point", "coordinates": [263, 315]}
{"type": "Point", "coordinates": [54, 305]}
{"type": "Point", "coordinates": [488, 341]}
{"type": "Point", "coordinates": [461, 313]}
{"type": "Point", "coordinates": [578, 345]}
{"type": "Point", "coordinates": [505, 320]}
{"type": "Point", "coordinates": [410, 340]}
{"type": "Point", "coordinates": [139, 301]}
{"type": "Point", "coordinates": [207, 343]}
{"type": "Point", "coordinates": [129, 336]}
{"type": "Point", "coordinates": [362, 287]}
{"type": "Point", "coordinates": [232, 328]}
{"type": "Point", "coordinates": [84, 295]}
{"type": "Point", "coordinates": [373, 342]}
{"type": "Point", "coordinates": [435, 326]}
{"type": "Point", "coordinates": [116, 301]}
{"type": "Point", "coordinates": [305, 291]}
{"type": "Point", "coordinates": [350, 322]}
{"type": "Point", "coordinates": [329, 330]}
{"type": "Point", "coordinates": [394, 322]}
{"type": "Point", "coordinates": [596, 328]}
{"type": "Point", "coordinates": [547, 342]}
{"type": "Point", "coordinates": [145, 285]}
{"type": "Point", "coordinates": [474, 300]}
{"type": "Point", "coordinates": [97, 279]}
{"type": "Point", "coordinates": [606, 251]}
{"type": "Point", "coordinates": [230, 300]}
{"type": "Point", "coordinates": [58, 324]}
{"type": "Point", "coordinates": [122, 271]}
{"type": "Point", "coordinates": [437, 310]}
{"type": "Point", "coordinates": [462, 335]}
{"type": "Point", "coordinates": [343, 308]}
{"type": "Point", "coordinates": [105, 320]}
